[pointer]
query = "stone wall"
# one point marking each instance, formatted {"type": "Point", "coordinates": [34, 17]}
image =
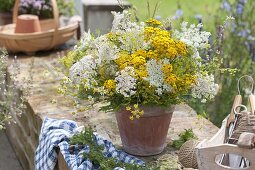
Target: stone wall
{"type": "Point", "coordinates": [45, 102]}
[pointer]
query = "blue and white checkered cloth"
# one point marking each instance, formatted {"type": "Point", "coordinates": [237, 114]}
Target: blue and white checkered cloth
{"type": "Point", "coordinates": [56, 133]}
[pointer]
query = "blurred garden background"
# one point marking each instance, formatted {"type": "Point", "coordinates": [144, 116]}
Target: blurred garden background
{"type": "Point", "coordinates": [232, 23]}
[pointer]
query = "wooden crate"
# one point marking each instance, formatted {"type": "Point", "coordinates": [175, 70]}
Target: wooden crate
{"type": "Point", "coordinates": [209, 152]}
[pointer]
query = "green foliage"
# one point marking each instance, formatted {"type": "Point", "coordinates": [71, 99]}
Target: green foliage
{"type": "Point", "coordinates": [4, 116]}
{"type": "Point", "coordinates": [183, 137]}
{"type": "Point", "coordinates": [66, 7]}
{"type": "Point", "coordinates": [167, 8]}
{"type": "Point", "coordinates": [95, 154]}
{"type": "Point", "coordinates": [237, 50]}
{"type": "Point", "coordinates": [12, 97]}
{"type": "Point", "coordinates": [6, 5]}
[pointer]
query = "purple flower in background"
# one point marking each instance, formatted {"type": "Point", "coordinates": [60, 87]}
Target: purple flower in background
{"type": "Point", "coordinates": [37, 5]}
{"type": "Point", "coordinates": [244, 33]}
{"type": "Point", "coordinates": [158, 17]}
{"type": "Point", "coordinates": [24, 4]}
{"type": "Point", "coordinates": [199, 19]}
{"type": "Point", "coordinates": [41, 8]}
{"type": "Point", "coordinates": [178, 14]}
{"type": "Point", "coordinates": [198, 16]}
{"type": "Point", "coordinates": [239, 9]}
{"type": "Point", "coordinates": [226, 6]}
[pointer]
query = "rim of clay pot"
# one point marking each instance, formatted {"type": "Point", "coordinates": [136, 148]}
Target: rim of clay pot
{"type": "Point", "coordinates": [153, 111]}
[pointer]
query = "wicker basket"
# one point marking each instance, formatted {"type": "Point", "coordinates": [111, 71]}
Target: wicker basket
{"type": "Point", "coordinates": [51, 36]}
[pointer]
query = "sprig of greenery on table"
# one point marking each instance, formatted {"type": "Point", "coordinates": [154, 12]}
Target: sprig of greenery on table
{"type": "Point", "coordinates": [183, 137]}
{"type": "Point", "coordinates": [95, 154]}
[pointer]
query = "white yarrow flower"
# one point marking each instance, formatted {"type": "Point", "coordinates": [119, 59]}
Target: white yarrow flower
{"type": "Point", "coordinates": [126, 83]}
{"type": "Point", "coordinates": [205, 88]}
{"type": "Point", "coordinates": [84, 42]}
{"type": "Point", "coordinates": [193, 36]}
{"type": "Point", "coordinates": [84, 70]}
{"type": "Point", "coordinates": [156, 75]}
{"type": "Point", "coordinates": [106, 50]}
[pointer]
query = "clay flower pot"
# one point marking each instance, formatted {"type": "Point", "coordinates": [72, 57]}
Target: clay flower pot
{"type": "Point", "coordinates": [27, 24]}
{"type": "Point", "coordinates": [144, 136]}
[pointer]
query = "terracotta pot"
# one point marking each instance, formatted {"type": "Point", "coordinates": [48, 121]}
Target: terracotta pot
{"type": "Point", "coordinates": [5, 18]}
{"type": "Point", "coordinates": [27, 24]}
{"type": "Point", "coordinates": [144, 136]}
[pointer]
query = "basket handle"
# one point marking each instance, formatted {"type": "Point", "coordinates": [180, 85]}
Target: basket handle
{"type": "Point", "coordinates": [54, 8]}
{"type": "Point", "coordinates": [237, 101]}
{"type": "Point", "coordinates": [55, 18]}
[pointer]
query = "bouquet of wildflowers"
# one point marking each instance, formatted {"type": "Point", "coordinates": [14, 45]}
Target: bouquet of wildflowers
{"type": "Point", "coordinates": [141, 64]}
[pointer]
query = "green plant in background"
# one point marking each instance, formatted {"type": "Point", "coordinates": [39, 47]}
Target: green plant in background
{"type": "Point", "coordinates": [66, 7]}
{"type": "Point", "coordinates": [237, 48]}
{"type": "Point", "coordinates": [6, 5]}
{"type": "Point", "coordinates": [190, 9]}
{"type": "Point", "coordinates": [238, 51]}
{"type": "Point", "coordinates": [96, 155]}
{"type": "Point", "coordinates": [183, 137]}
{"type": "Point", "coordinates": [12, 96]}
{"type": "Point", "coordinates": [3, 109]}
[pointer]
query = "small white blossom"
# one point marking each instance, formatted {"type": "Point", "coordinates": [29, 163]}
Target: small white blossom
{"type": "Point", "coordinates": [132, 40]}
{"type": "Point", "coordinates": [126, 83]}
{"type": "Point", "coordinates": [106, 50]}
{"type": "Point", "coordinates": [84, 42]}
{"type": "Point", "coordinates": [205, 88]}
{"type": "Point", "coordinates": [84, 70]}
{"type": "Point", "coordinates": [156, 75]}
{"type": "Point", "coordinates": [122, 22]}
{"type": "Point", "coordinates": [193, 36]}
{"type": "Point", "coordinates": [132, 37]}
{"type": "Point", "coordinates": [118, 17]}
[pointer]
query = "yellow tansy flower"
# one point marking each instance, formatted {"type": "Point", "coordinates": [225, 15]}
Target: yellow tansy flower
{"type": "Point", "coordinates": [110, 85]}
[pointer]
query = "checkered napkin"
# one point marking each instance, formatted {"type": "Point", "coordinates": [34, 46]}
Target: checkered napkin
{"type": "Point", "coordinates": [56, 133]}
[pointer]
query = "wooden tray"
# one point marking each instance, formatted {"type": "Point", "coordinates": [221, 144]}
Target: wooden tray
{"type": "Point", "coordinates": [51, 36]}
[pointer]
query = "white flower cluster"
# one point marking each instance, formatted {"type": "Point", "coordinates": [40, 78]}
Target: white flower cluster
{"type": "Point", "coordinates": [126, 83]}
{"type": "Point", "coordinates": [205, 88]}
{"type": "Point", "coordinates": [84, 42]}
{"type": "Point", "coordinates": [118, 19]}
{"type": "Point", "coordinates": [84, 70]}
{"type": "Point", "coordinates": [106, 50]}
{"type": "Point", "coordinates": [122, 22]}
{"type": "Point", "coordinates": [156, 76]}
{"type": "Point", "coordinates": [193, 36]}
{"type": "Point", "coordinates": [131, 38]}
